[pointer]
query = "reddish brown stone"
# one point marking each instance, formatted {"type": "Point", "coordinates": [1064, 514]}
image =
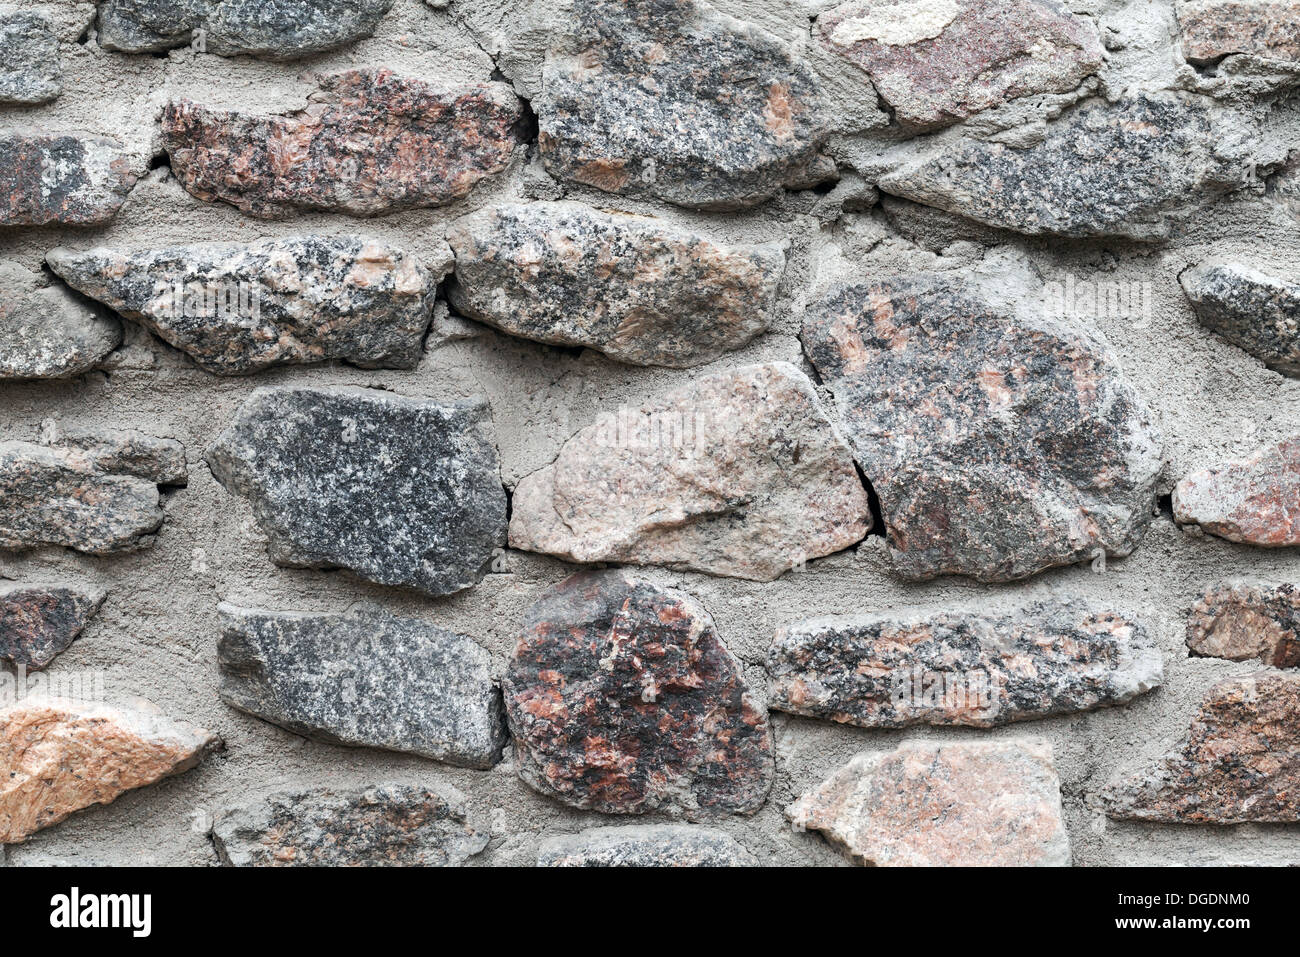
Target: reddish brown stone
{"type": "Point", "coordinates": [1239, 763]}
{"type": "Point", "coordinates": [68, 179]}
{"type": "Point", "coordinates": [370, 143]}
{"type": "Point", "coordinates": [1255, 500]}
{"type": "Point", "coordinates": [1243, 622]}
{"type": "Point", "coordinates": [1213, 29]}
{"type": "Point", "coordinates": [38, 622]}
{"type": "Point", "coordinates": [622, 699]}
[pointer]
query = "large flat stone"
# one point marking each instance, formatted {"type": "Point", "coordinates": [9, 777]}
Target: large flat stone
{"type": "Point", "coordinates": [1251, 309]}
{"type": "Point", "coordinates": [238, 308]}
{"type": "Point", "coordinates": [1213, 29]}
{"type": "Point", "coordinates": [45, 332]}
{"type": "Point", "coordinates": [654, 845]}
{"type": "Point", "coordinates": [1252, 500]}
{"type": "Point", "coordinates": [1245, 621]}
{"type": "Point", "coordinates": [633, 287]}
{"type": "Point", "coordinates": [66, 179]}
{"type": "Point", "coordinates": [39, 622]}
{"type": "Point", "coordinates": [30, 71]}
{"type": "Point", "coordinates": [740, 474]}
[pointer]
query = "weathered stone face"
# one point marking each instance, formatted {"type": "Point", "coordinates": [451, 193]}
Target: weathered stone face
{"type": "Point", "coordinates": [671, 99]}
{"type": "Point", "coordinates": [57, 757]}
{"type": "Point", "coordinates": [400, 491]}
{"type": "Point", "coordinates": [936, 62]}
{"type": "Point", "coordinates": [739, 474]}
{"type": "Point", "coordinates": [1213, 29]}
{"type": "Point", "coordinates": [655, 845]}
{"type": "Point", "coordinates": [96, 493]}
{"type": "Point", "coordinates": [622, 699]}
{"type": "Point", "coordinates": [633, 288]}
{"type": "Point", "coordinates": [39, 622]}
{"type": "Point", "coordinates": [285, 30]}
{"type": "Point", "coordinates": [1239, 763]}
{"type": "Point", "coordinates": [982, 804]}
{"type": "Point", "coordinates": [364, 680]}
{"type": "Point", "coordinates": [238, 308]}
{"type": "Point", "coordinates": [999, 445]}
{"type": "Point", "coordinates": [1157, 162]}
{"type": "Point", "coordinates": [66, 179]}
{"type": "Point", "coordinates": [1251, 500]}
{"type": "Point", "coordinates": [29, 57]}
{"type": "Point", "coordinates": [1243, 621]}
{"type": "Point", "coordinates": [391, 825]}
{"type": "Point", "coordinates": [370, 143]}
{"type": "Point", "coordinates": [45, 333]}
{"type": "Point", "coordinates": [1252, 310]}
{"type": "Point", "coordinates": [887, 671]}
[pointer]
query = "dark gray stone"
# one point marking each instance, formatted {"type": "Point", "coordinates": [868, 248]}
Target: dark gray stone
{"type": "Point", "coordinates": [1251, 309]}
{"type": "Point", "coordinates": [46, 332]}
{"type": "Point", "coordinates": [364, 680]}
{"type": "Point", "coordinates": [29, 57]}
{"type": "Point", "coordinates": [401, 491]}
{"type": "Point", "coordinates": [653, 845]}
{"type": "Point", "coordinates": [39, 622]}
{"type": "Point", "coordinates": [65, 179]}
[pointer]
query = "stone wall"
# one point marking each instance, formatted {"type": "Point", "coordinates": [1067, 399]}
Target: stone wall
{"type": "Point", "coordinates": [769, 431]}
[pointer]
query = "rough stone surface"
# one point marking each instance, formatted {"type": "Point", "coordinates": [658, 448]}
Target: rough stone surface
{"type": "Point", "coordinates": [740, 475]}
{"type": "Point", "coordinates": [1252, 310]}
{"type": "Point", "coordinates": [670, 98]}
{"type": "Point", "coordinates": [1253, 500]}
{"type": "Point", "coordinates": [45, 332]}
{"type": "Point", "coordinates": [1125, 169]}
{"type": "Point", "coordinates": [1244, 621]}
{"type": "Point", "coordinates": [655, 845]}
{"type": "Point", "coordinates": [283, 30]}
{"type": "Point", "coordinates": [58, 756]}
{"type": "Point", "coordinates": [622, 699]}
{"type": "Point", "coordinates": [240, 308]}
{"type": "Point", "coordinates": [29, 57]}
{"type": "Point", "coordinates": [364, 680]}
{"type": "Point", "coordinates": [943, 804]}
{"type": "Point", "coordinates": [980, 670]}
{"type": "Point", "coordinates": [936, 63]}
{"type": "Point", "coordinates": [998, 444]}
{"type": "Point", "coordinates": [400, 491]}
{"type": "Point", "coordinates": [1213, 29]}
{"type": "Point", "coordinates": [39, 622]}
{"type": "Point", "coordinates": [66, 179]}
{"type": "Point", "coordinates": [390, 825]}
{"type": "Point", "coordinates": [1239, 763]}
{"type": "Point", "coordinates": [371, 143]}
{"type": "Point", "coordinates": [96, 493]}
{"type": "Point", "coordinates": [630, 286]}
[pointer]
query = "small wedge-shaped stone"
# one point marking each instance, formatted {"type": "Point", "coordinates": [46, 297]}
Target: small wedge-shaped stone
{"type": "Point", "coordinates": [371, 143]}
{"type": "Point", "coordinates": [1245, 621]}
{"type": "Point", "coordinates": [622, 699]}
{"type": "Point", "coordinates": [1213, 29]}
{"type": "Point", "coordinates": [401, 491]}
{"type": "Point", "coordinates": [886, 671]}
{"type": "Point", "coordinates": [1252, 310]}
{"type": "Point", "coordinates": [1254, 500]}
{"type": "Point", "coordinates": [39, 622]}
{"type": "Point", "coordinates": [999, 444]}
{"type": "Point", "coordinates": [634, 288]}
{"type": "Point", "coordinates": [29, 57]}
{"type": "Point", "coordinates": [65, 179]}
{"type": "Point", "coordinates": [96, 493]}
{"type": "Point", "coordinates": [740, 474]}
{"type": "Point", "coordinates": [45, 333]}
{"type": "Point", "coordinates": [239, 308]}
{"type": "Point", "coordinates": [283, 30]}
{"type": "Point", "coordinates": [1239, 763]}
{"type": "Point", "coordinates": [59, 756]}
{"type": "Point", "coordinates": [671, 99]}
{"type": "Point", "coordinates": [1124, 169]}
{"type": "Point", "coordinates": [364, 680]}
{"type": "Point", "coordinates": [939, 61]}
{"type": "Point", "coordinates": [390, 825]}
{"type": "Point", "coordinates": [654, 845]}
{"type": "Point", "coordinates": [933, 804]}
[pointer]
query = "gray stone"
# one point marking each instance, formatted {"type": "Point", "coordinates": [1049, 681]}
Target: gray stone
{"type": "Point", "coordinates": [238, 308]}
{"type": "Point", "coordinates": [132, 453]}
{"type": "Point", "coordinates": [401, 491]}
{"type": "Point", "coordinates": [39, 622]}
{"type": "Point", "coordinates": [1251, 309]}
{"type": "Point", "coordinates": [1213, 29]}
{"type": "Point", "coordinates": [389, 825]}
{"type": "Point", "coordinates": [283, 30]}
{"type": "Point", "coordinates": [66, 179]}
{"type": "Point", "coordinates": [29, 57]}
{"type": "Point", "coordinates": [633, 287]}
{"type": "Point", "coordinates": [653, 845]}
{"type": "Point", "coordinates": [46, 332]}
{"type": "Point", "coordinates": [364, 680]}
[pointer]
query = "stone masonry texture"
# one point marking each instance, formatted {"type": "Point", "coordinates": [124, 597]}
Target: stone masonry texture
{"type": "Point", "coordinates": [649, 432]}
